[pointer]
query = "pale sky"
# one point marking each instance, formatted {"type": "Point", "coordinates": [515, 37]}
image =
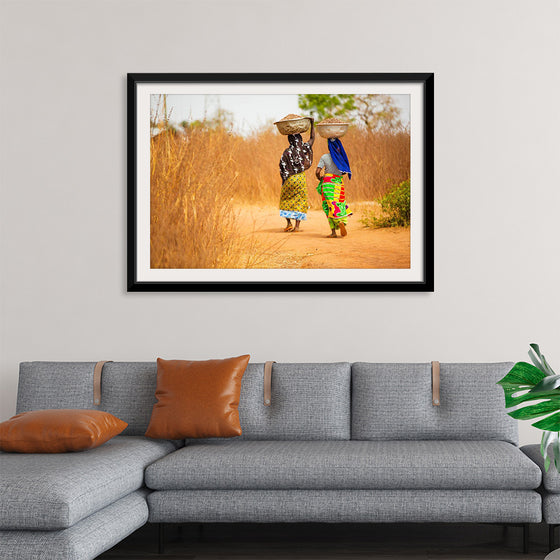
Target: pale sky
{"type": "Point", "coordinates": [250, 112]}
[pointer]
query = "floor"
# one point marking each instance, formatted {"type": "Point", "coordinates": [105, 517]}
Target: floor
{"type": "Point", "coordinates": [333, 542]}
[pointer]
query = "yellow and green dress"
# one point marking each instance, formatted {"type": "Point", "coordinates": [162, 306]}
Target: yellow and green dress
{"type": "Point", "coordinates": [331, 189]}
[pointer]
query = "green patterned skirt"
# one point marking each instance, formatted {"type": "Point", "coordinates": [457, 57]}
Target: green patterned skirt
{"type": "Point", "coordinates": [331, 189]}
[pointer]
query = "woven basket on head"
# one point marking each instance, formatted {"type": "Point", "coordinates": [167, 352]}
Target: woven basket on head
{"type": "Point", "coordinates": [293, 124]}
{"type": "Point", "coordinates": [332, 128]}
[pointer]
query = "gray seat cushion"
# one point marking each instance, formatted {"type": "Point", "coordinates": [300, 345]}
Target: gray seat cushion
{"type": "Point", "coordinates": [345, 465]}
{"type": "Point", "coordinates": [54, 491]}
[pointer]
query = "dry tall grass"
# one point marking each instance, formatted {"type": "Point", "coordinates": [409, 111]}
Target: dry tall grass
{"type": "Point", "coordinates": [378, 161]}
{"type": "Point", "coordinates": [191, 203]}
{"type": "Point", "coordinates": [198, 178]}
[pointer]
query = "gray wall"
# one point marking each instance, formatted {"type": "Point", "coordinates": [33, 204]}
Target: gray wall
{"type": "Point", "coordinates": [63, 202]}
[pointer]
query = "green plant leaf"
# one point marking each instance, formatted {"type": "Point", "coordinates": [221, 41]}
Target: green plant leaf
{"type": "Point", "coordinates": [522, 375]}
{"type": "Point", "coordinates": [550, 449]}
{"type": "Point", "coordinates": [536, 360]}
{"type": "Point", "coordinates": [536, 410]}
{"type": "Point", "coordinates": [515, 397]}
{"type": "Point", "coordinates": [535, 348]}
{"type": "Point", "coordinates": [550, 423]}
{"type": "Point", "coordinates": [546, 439]}
{"type": "Point", "coordinates": [556, 452]}
{"type": "Point", "coordinates": [547, 384]}
{"type": "Point", "coordinates": [545, 363]}
{"type": "Point", "coordinates": [537, 357]}
{"type": "Point", "coordinates": [526, 383]}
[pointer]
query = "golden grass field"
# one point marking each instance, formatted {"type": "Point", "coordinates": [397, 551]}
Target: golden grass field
{"type": "Point", "coordinates": [202, 182]}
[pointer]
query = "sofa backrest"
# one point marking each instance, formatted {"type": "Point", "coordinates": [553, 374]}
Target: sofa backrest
{"type": "Point", "coordinates": [127, 389]}
{"type": "Point", "coordinates": [309, 401]}
{"type": "Point", "coordinates": [394, 401]}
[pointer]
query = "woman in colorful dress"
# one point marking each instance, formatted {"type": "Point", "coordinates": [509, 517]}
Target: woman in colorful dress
{"type": "Point", "coordinates": [294, 161]}
{"type": "Point", "coordinates": [330, 171]}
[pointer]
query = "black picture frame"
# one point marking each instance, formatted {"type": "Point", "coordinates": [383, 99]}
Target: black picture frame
{"type": "Point", "coordinates": [425, 284]}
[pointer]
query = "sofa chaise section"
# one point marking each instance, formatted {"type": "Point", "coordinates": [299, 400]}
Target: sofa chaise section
{"type": "Point", "coordinates": [44, 491]}
{"type": "Point", "coordinates": [74, 506]}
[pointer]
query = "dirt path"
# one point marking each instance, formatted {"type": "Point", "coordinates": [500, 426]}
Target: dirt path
{"type": "Point", "coordinates": [310, 248]}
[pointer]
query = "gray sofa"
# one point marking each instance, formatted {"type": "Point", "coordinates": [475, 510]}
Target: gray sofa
{"type": "Point", "coordinates": [550, 491]}
{"type": "Point", "coordinates": [340, 443]}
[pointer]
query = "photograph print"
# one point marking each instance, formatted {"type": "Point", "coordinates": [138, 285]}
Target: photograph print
{"type": "Point", "coordinates": [280, 182]}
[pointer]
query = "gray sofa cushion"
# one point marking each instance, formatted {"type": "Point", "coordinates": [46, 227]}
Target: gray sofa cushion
{"type": "Point", "coordinates": [127, 389]}
{"type": "Point", "coordinates": [45, 385]}
{"type": "Point", "coordinates": [551, 479]}
{"type": "Point", "coordinates": [54, 491]}
{"type": "Point", "coordinates": [551, 508]}
{"type": "Point", "coordinates": [309, 402]}
{"type": "Point", "coordinates": [85, 540]}
{"type": "Point", "coordinates": [394, 401]}
{"type": "Point", "coordinates": [339, 506]}
{"type": "Point", "coordinates": [345, 464]}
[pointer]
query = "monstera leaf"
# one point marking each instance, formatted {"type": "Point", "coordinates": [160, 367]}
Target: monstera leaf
{"type": "Point", "coordinates": [526, 383]}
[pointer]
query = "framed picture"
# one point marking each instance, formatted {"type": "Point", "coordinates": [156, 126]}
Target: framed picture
{"type": "Point", "coordinates": [277, 182]}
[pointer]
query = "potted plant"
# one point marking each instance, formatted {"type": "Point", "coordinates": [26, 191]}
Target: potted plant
{"type": "Point", "coordinates": [526, 383]}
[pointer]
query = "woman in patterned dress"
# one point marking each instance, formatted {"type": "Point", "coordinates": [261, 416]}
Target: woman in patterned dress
{"type": "Point", "coordinates": [330, 171]}
{"type": "Point", "coordinates": [294, 161]}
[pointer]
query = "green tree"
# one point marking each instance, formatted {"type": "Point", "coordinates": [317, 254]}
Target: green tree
{"type": "Point", "coordinates": [324, 106]}
{"type": "Point", "coordinates": [372, 111]}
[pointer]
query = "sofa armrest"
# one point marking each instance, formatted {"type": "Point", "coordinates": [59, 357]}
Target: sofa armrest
{"type": "Point", "coordinates": [551, 479]}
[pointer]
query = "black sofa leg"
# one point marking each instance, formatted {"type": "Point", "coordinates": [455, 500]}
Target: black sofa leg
{"type": "Point", "coordinates": [161, 538]}
{"type": "Point", "coordinates": [551, 544]}
{"type": "Point", "coordinates": [525, 538]}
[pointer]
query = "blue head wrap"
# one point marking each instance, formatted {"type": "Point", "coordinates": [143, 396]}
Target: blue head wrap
{"type": "Point", "coordinates": [339, 156]}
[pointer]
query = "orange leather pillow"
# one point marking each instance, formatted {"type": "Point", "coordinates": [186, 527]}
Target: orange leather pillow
{"type": "Point", "coordinates": [58, 431]}
{"type": "Point", "coordinates": [197, 399]}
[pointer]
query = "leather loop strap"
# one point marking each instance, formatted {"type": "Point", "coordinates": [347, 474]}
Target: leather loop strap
{"type": "Point", "coordinates": [268, 383]}
{"type": "Point", "coordinates": [435, 384]}
{"type": "Point", "coordinates": [97, 370]}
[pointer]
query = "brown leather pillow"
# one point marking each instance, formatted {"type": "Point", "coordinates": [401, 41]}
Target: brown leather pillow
{"type": "Point", "coordinates": [58, 431]}
{"type": "Point", "coordinates": [197, 399]}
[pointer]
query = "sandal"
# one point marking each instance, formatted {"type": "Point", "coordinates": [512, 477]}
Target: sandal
{"type": "Point", "coordinates": [289, 228]}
